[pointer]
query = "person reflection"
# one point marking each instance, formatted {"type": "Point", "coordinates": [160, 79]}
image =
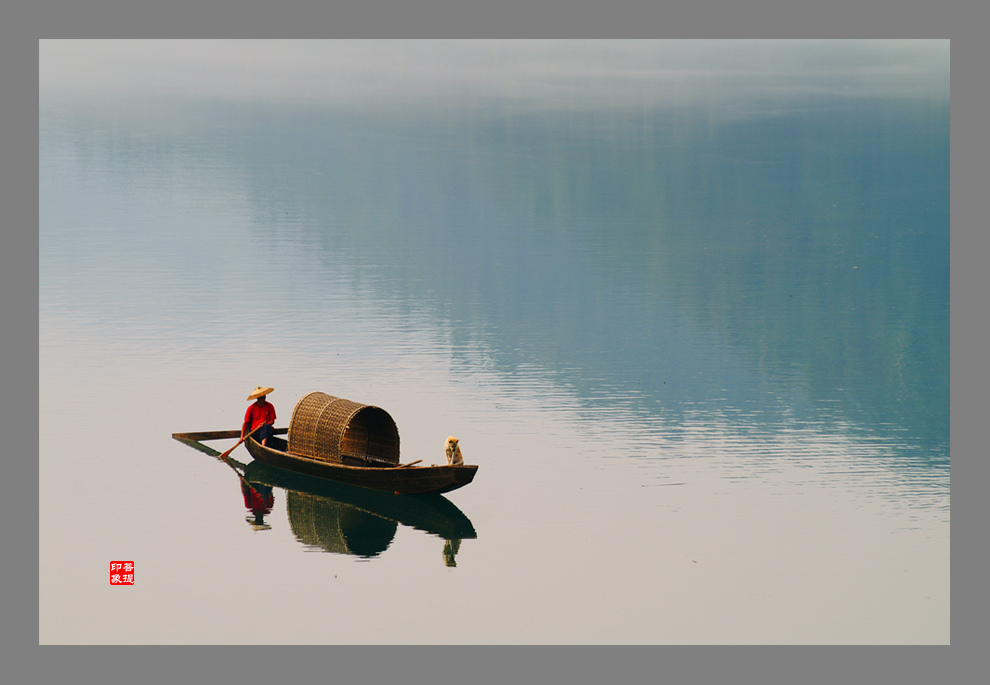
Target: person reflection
{"type": "Point", "coordinates": [259, 500]}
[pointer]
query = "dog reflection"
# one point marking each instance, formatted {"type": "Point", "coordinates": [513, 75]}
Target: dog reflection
{"type": "Point", "coordinates": [450, 548]}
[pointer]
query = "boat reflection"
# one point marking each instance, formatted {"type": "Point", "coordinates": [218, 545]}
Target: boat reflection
{"type": "Point", "coordinates": [345, 519]}
{"type": "Point", "coordinates": [341, 518]}
{"type": "Point", "coordinates": [322, 523]}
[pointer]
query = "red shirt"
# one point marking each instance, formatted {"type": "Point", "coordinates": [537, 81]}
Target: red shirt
{"type": "Point", "coordinates": [258, 414]}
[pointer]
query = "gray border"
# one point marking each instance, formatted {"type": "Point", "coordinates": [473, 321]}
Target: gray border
{"type": "Point", "coordinates": [26, 662]}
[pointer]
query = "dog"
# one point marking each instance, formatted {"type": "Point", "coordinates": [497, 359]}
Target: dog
{"type": "Point", "coordinates": [453, 451]}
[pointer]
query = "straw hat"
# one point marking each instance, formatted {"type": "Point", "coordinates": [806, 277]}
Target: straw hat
{"type": "Point", "coordinates": [259, 391]}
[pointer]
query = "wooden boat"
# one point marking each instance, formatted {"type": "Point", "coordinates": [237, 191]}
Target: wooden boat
{"type": "Point", "coordinates": [401, 479]}
{"type": "Point", "coordinates": [397, 479]}
{"type": "Point", "coordinates": [343, 441]}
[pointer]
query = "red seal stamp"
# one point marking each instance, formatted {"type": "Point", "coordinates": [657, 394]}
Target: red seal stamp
{"type": "Point", "coordinates": [122, 573]}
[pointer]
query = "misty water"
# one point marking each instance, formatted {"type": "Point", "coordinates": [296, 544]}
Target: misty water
{"type": "Point", "coordinates": [700, 353]}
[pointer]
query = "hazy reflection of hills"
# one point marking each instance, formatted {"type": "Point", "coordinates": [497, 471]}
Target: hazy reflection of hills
{"type": "Point", "coordinates": [658, 259]}
{"type": "Point", "coordinates": [666, 259]}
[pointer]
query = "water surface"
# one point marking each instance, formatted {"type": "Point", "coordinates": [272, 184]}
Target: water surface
{"type": "Point", "coordinates": [700, 353]}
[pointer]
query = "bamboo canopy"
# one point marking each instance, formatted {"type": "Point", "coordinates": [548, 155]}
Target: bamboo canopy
{"type": "Point", "coordinates": [340, 431]}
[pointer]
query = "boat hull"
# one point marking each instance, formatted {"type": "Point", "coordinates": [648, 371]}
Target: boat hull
{"type": "Point", "coordinates": [431, 513]}
{"type": "Point", "coordinates": [407, 480]}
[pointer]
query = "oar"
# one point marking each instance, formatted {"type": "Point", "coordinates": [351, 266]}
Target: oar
{"type": "Point", "coordinates": [223, 457]}
{"type": "Point", "coordinates": [412, 463]}
{"type": "Point", "coordinates": [213, 453]}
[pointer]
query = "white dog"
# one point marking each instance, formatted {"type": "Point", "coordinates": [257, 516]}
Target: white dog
{"type": "Point", "coordinates": [453, 451]}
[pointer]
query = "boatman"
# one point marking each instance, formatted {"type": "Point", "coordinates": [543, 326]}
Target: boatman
{"type": "Point", "coordinates": [261, 413]}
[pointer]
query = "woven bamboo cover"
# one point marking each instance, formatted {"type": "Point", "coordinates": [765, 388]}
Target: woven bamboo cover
{"type": "Point", "coordinates": [329, 428]}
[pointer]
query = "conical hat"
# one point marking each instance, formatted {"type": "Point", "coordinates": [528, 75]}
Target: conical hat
{"type": "Point", "coordinates": [259, 391]}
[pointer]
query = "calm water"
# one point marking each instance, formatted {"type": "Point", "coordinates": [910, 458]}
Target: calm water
{"type": "Point", "coordinates": [701, 355]}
